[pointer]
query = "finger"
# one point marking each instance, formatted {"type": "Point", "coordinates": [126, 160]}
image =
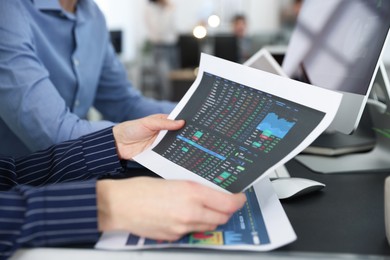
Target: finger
{"type": "Point", "coordinates": [182, 230]}
{"type": "Point", "coordinates": [159, 122]}
{"type": "Point", "coordinates": [162, 116]}
{"type": "Point", "coordinates": [202, 228]}
{"type": "Point", "coordinates": [211, 217]}
{"type": "Point", "coordinates": [223, 202]}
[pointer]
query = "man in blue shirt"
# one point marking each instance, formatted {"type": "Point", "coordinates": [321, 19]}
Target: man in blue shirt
{"type": "Point", "coordinates": [56, 62]}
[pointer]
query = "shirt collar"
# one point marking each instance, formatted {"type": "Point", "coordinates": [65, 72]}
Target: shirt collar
{"type": "Point", "coordinates": [53, 5]}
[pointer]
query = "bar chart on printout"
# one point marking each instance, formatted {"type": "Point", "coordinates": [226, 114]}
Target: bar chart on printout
{"type": "Point", "coordinates": [234, 133]}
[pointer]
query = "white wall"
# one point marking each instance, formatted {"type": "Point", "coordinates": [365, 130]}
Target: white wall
{"type": "Point", "coordinates": [120, 15]}
{"type": "Point", "coordinates": [264, 16]}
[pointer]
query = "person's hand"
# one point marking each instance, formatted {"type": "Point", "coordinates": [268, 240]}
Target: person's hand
{"type": "Point", "coordinates": [162, 209]}
{"type": "Point", "coordinates": [132, 137]}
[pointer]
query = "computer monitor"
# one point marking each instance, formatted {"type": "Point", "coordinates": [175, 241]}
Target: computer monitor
{"type": "Point", "coordinates": [337, 44]}
{"type": "Point", "coordinates": [189, 51]}
{"type": "Point", "coordinates": [226, 47]}
{"type": "Point", "coordinates": [264, 60]}
{"type": "Point", "coordinates": [116, 37]}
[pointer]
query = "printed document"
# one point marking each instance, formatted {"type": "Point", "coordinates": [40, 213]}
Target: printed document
{"type": "Point", "coordinates": [241, 124]}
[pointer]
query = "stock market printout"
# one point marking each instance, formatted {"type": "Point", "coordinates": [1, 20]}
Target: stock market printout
{"type": "Point", "coordinates": [234, 133]}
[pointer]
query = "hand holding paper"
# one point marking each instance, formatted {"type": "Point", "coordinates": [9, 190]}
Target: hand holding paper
{"type": "Point", "coordinates": [163, 210]}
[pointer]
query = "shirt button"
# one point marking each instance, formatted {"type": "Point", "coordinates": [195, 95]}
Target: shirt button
{"type": "Point", "coordinates": [77, 103]}
{"type": "Point", "coordinates": [76, 62]}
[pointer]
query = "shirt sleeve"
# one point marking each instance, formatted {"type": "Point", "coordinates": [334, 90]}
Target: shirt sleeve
{"type": "Point", "coordinates": [91, 156]}
{"type": "Point", "coordinates": [49, 197]}
{"type": "Point", "coordinates": [46, 216]}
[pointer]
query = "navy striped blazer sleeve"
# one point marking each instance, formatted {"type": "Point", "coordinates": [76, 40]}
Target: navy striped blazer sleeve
{"type": "Point", "coordinates": [49, 197]}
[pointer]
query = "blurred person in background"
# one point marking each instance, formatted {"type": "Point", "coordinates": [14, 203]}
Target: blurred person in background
{"type": "Point", "coordinates": [239, 28]}
{"type": "Point", "coordinates": [162, 35]}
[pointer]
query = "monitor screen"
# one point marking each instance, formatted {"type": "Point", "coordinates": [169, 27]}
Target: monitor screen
{"type": "Point", "coordinates": [226, 47]}
{"type": "Point", "coordinates": [189, 51]}
{"type": "Point", "coordinates": [116, 37]}
{"type": "Point", "coordinates": [337, 44]}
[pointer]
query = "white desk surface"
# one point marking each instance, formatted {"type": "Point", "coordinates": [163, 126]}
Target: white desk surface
{"type": "Point", "coordinates": [92, 254]}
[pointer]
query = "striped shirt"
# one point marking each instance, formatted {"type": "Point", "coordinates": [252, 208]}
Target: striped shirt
{"type": "Point", "coordinates": [49, 197]}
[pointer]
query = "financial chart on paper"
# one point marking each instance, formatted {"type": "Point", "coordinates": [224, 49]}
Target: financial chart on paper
{"type": "Point", "coordinates": [234, 133]}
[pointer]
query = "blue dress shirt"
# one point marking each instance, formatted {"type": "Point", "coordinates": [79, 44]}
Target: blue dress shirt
{"type": "Point", "coordinates": [49, 198]}
{"type": "Point", "coordinates": [54, 66]}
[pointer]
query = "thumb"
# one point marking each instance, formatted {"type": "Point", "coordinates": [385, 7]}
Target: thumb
{"type": "Point", "coordinates": [160, 122]}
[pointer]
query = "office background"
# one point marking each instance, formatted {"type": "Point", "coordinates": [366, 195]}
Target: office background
{"type": "Point", "coordinates": [265, 26]}
{"type": "Point", "coordinates": [263, 17]}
